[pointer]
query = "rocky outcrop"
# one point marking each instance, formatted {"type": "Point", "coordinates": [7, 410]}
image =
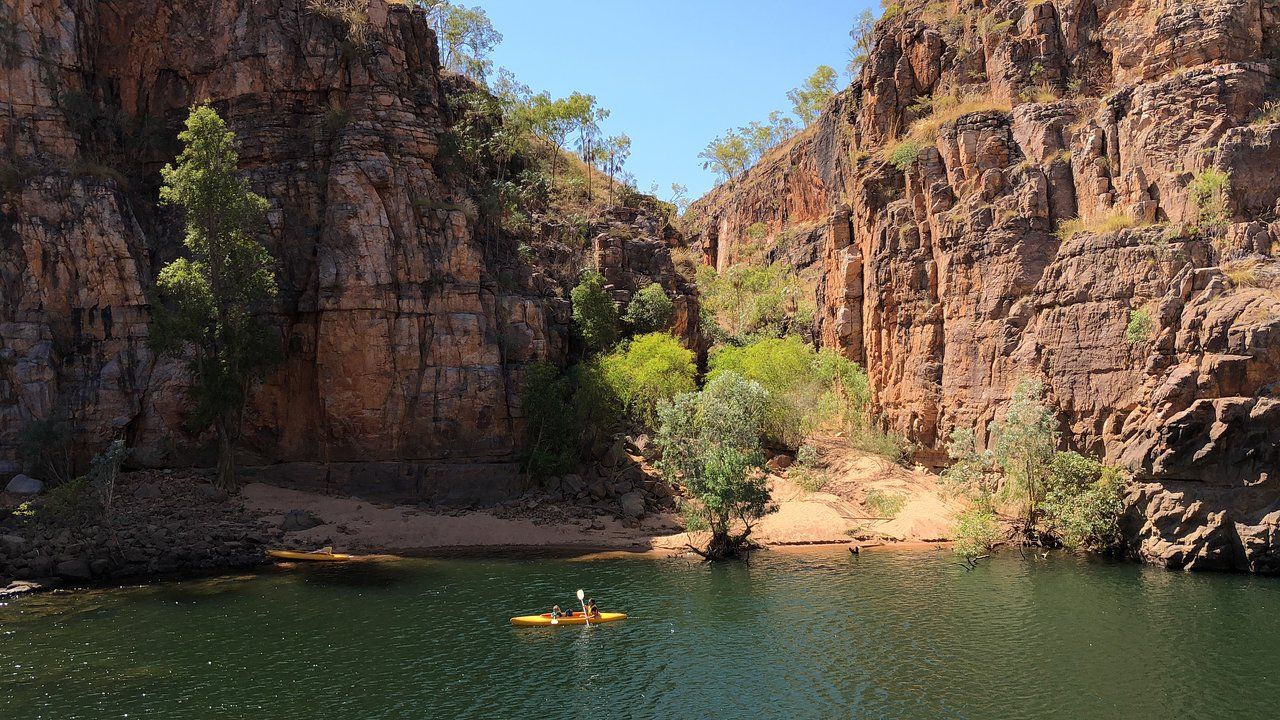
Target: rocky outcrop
{"type": "Point", "coordinates": [406, 317]}
{"type": "Point", "coordinates": [160, 522]}
{"type": "Point", "coordinates": [953, 273]}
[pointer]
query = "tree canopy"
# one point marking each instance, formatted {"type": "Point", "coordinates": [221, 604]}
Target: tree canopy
{"type": "Point", "coordinates": [211, 299]}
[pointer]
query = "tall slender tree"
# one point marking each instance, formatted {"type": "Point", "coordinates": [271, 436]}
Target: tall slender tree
{"type": "Point", "coordinates": [211, 299]}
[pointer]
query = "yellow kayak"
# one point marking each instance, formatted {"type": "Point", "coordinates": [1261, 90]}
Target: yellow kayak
{"type": "Point", "coordinates": [545, 620]}
{"type": "Point", "coordinates": [308, 556]}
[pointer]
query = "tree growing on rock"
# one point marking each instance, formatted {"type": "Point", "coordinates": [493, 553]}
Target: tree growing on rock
{"type": "Point", "coordinates": [710, 443]}
{"type": "Point", "coordinates": [808, 100]}
{"type": "Point", "coordinates": [594, 315]}
{"type": "Point", "coordinates": [466, 36]}
{"type": "Point", "coordinates": [210, 300]}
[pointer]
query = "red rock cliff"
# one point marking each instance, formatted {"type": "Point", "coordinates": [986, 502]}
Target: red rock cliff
{"type": "Point", "coordinates": [406, 321]}
{"type": "Point", "coordinates": [949, 281]}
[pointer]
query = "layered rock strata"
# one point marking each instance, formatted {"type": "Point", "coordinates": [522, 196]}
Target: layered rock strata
{"type": "Point", "coordinates": [949, 268]}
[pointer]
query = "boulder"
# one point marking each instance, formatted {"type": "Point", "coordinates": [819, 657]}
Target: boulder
{"type": "Point", "coordinates": [598, 490]}
{"type": "Point", "coordinates": [632, 504]}
{"type": "Point", "coordinates": [573, 484]}
{"type": "Point", "coordinates": [299, 520]}
{"type": "Point", "coordinates": [11, 545]}
{"type": "Point", "coordinates": [779, 463]}
{"type": "Point", "coordinates": [24, 485]}
{"type": "Point", "coordinates": [73, 570]}
{"type": "Point", "coordinates": [615, 456]}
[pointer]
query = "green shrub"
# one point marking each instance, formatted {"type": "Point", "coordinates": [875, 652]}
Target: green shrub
{"type": "Point", "coordinates": [884, 504]}
{"type": "Point", "coordinates": [904, 154]}
{"type": "Point", "coordinates": [44, 449]}
{"type": "Point", "coordinates": [746, 301]}
{"type": "Point", "coordinates": [807, 456]}
{"type": "Point", "coordinates": [1083, 503]}
{"type": "Point", "coordinates": [651, 310]}
{"type": "Point", "coordinates": [549, 422]}
{"type": "Point", "coordinates": [1140, 328]}
{"type": "Point", "coordinates": [977, 531]}
{"type": "Point", "coordinates": [1210, 191]}
{"type": "Point", "coordinates": [594, 315]}
{"type": "Point", "coordinates": [647, 370]}
{"type": "Point", "coordinates": [807, 388]}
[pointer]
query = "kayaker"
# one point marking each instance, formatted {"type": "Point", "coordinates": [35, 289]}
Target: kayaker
{"type": "Point", "coordinates": [592, 610]}
{"type": "Point", "coordinates": [556, 612]}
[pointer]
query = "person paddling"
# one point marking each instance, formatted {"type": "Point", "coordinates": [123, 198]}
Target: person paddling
{"type": "Point", "coordinates": [592, 610]}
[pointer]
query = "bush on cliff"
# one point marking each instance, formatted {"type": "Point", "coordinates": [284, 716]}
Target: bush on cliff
{"type": "Point", "coordinates": [651, 310]}
{"type": "Point", "coordinates": [549, 421]}
{"type": "Point", "coordinates": [595, 317]}
{"type": "Point", "coordinates": [1083, 503]}
{"type": "Point", "coordinates": [748, 301]}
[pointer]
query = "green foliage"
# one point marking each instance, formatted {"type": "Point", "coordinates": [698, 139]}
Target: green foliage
{"type": "Point", "coordinates": [1083, 503]}
{"type": "Point", "coordinates": [977, 532]}
{"type": "Point", "coordinates": [104, 470]}
{"type": "Point", "coordinates": [862, 40]}
{"type": "Point", "coordinates": [808, 100]}
{"type": "Point", "coordinates": [1141, 327]}
{"type": "Point", "coordinates": [1210, 191]}
{"type": "Point", "coordinates": [756, 300]}
{"type": "Point", "coordinates": [1024, 444]}
{"type": "Point", "coordinates": [647, 370]}
{"type": "Point", "coordinates": [728, 156]}
{"type": "Point", "coordinates": [807, 456]}
{"type": "Point", "coordinates": [904, 154]}
{"type": "Point", "coordinates": [466, 36]}
{"type": "Point", "coordinates": [710, 443]}
{"type": "Point", "coordinates": [550, 421]}
{"type": "Point", "coordinates": [209, 299]}
{"type": "Point", "coordinates": [594, 314]}
{"type": "Point", "coordinates": [884, 504]}
{"type": "Point", "coordinates": [971, 473]}
{"type": "Point", "coordinates": [807, 388]}
{"type": "Point", "coordinates": [1078, 498]}
{"type": "Point", "coordinates": [44, 449]}
{"type": "Point", "coordinates": [651, 310]}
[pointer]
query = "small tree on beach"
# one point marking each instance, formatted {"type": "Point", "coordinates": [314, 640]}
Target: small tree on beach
{"type": "Point", "coordinates": [710, 442]}
{"type": "Point", "coordinates": [210, 299]}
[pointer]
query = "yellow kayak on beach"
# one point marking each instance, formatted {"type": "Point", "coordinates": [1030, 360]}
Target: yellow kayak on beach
{"type": "Point", "coordinates": [308, 556]}
{"type": "Point", "coordinates": [544, 620]}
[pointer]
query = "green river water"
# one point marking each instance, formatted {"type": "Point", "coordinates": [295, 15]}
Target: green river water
{"type": "Point", "coordinates": [816, 634]}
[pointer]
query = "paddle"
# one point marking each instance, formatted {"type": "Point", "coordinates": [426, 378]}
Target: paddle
{"type": "Point", "coordinates": [582, 599]}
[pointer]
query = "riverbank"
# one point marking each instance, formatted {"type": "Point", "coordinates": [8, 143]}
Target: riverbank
{"type": "Point", "coordinates": [172, 522]}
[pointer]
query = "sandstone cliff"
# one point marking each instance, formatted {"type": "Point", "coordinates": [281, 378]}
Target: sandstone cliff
{"type": "Point", "coordinates": [952, 278]}
{"type": "Point", "coordinates": [406, 317]}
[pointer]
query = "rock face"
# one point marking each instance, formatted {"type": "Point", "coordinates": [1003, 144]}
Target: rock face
{"type": "Point", "coordinates": [951, 279]}
{"type": "Point", "coordinates": [405, 319]}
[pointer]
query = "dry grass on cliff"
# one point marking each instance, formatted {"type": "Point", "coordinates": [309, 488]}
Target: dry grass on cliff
{"type": "Point", "coordinates": [1251, 274]}
{"type": "Point", "coordinates": [353, 14]}
{"type": "Point", "coordinates": [1114, 221]}
{"type": "Point", "coordinates": [942, 111]}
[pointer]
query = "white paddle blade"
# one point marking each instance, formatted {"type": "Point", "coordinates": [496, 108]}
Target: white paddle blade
{"type": "Point", "coordinates": [581, 595]}
{"type": "Point", "coordinates": [555, 621]}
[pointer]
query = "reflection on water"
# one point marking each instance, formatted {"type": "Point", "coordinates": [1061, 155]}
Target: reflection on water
{"type": "Point", "coordinates": [797, 635]}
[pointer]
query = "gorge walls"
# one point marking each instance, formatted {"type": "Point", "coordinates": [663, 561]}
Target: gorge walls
{"type": "Point", "coordinates": [945, 267]}
{"type": "Point", "coordinates": [405, 317]}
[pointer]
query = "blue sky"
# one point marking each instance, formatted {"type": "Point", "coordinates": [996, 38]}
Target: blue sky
{"type": "Point", "coordinates": [674, 73]}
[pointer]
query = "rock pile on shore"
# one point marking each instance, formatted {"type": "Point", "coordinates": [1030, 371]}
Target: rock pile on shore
{"type": "Point", "coordinates": [620, 484]}
{"type": "Point", "coordinates": [161, 522]}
